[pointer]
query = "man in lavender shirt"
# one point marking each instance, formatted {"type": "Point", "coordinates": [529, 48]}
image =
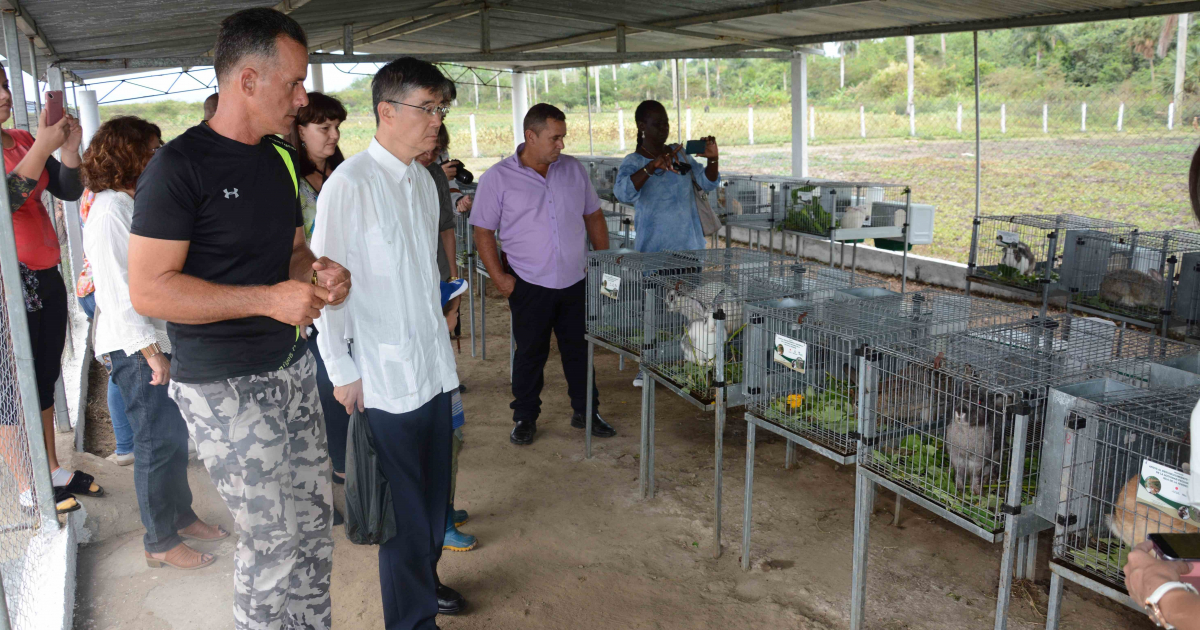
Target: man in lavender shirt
{"type": "Point", "coordinates": [543, 206]}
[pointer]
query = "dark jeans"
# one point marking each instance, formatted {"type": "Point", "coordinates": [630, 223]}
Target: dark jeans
{"type": "Point", "coordinates": [160, 446]}
{"type": "Point", "coordinates": [414, 449]}
{"type": "Point", "coordinates": [48, 333]}
{"type": "Point", "coordinates": [337, 421]}
{"type": "Point", "coordinates": [536, 311]}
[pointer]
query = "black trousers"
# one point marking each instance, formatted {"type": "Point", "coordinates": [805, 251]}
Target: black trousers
{"type": "Point", "coordinates": [48, 333]}
{"type": "Point", "coordinates": [414, 449]}
{"type": "Point", "coordinates": [536, 312]}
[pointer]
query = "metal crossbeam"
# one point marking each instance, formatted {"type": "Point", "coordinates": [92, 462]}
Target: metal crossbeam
{"type": "Point", "coordinates": [361, 37]}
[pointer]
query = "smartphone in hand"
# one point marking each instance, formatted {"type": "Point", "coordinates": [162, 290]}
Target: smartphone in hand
{"type": "Point", "coordinates": [696, 147]}
{"type": "Point", "coordinates": [54, 106]}
{"type": "Point", "coordinates": [1177, 546]}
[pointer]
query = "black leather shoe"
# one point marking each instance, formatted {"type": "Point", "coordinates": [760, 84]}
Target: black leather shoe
{"type": "Point", "coordinates": [523, 432]}
{"type": "Point", "coordinates": [600, 428]}
{"type": "Point", "coordinates": [450, 601]}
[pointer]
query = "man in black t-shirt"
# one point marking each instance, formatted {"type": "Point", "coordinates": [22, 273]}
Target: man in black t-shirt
{"type": "Point", "coordinates": [217, 249]}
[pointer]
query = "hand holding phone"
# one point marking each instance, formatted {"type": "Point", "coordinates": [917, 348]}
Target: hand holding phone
{"type": "Point", "coordinates": [1177, 546]}
{"type": "Point", "coordinates": [54, 106]}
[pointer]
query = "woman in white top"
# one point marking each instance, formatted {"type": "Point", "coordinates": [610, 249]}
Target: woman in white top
{"type": "Point", "coordinates": [139, 348]}
{"type": "Point", "coordinates": [1153, 582]}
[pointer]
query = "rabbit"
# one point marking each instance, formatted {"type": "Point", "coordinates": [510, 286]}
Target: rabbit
{"type": "Point", "coordinates": [1133, 522]}
{"type": "Point", "coordinates": [731, 206]}
{"type": "Point", "coordinates": [1018, 256]}
{"type": "Point", "coordinates": [704, 301]}
{"type": "Point", "coordinates": [853, 217]}
{"type": "Point", "coordinates": [917, 392]}
{"type": "Point", "coordinates": [900, 218]}
{"type": "Point", "coordinates": [700, 343]}
{"type": "Point", "coordinates": [974, 444]}
{"type": "Point", "coordinates": [1131, 288]}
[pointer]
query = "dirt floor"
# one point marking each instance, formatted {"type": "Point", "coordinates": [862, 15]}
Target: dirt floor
{"type": "Point", "coordinates": [567, 543]}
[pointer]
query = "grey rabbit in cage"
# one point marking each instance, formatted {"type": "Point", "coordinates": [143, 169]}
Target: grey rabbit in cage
{"type": "Point", "coordinates": [1018, 256]}
{"type": "Point", "coordinates": [1131, 288]}
{"type": "Point", "coordinates": [974, 437]}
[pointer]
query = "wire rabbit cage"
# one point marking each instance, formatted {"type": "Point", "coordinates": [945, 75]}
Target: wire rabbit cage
{"type": "Point", "coordinates": [1120, 456]}
{"type": "Point", "coordinates": [955, 423]}
{"type": "Point", "coordinates": [617, 280]}
{"type": "Point", "coordinates": [801, 368]}
{"type": "Point", "coordinates": [845, 210]}
{"type": "Point", "coordinates": [1027, 251]}
{"type": "Point", "coordinates": [620, 227]}
{"type": "Point", "coordinates": [1131, 277]}
{"type": "Point", "coordinates": [691, 346]}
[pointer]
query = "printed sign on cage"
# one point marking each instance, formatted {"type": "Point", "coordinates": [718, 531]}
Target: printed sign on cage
{"type": "Point", "coordinates": [1166, 489]}
{"type": "Point", "coordinates": [610, 286]}
{"type": "Point", "coordinates": [790, 353]}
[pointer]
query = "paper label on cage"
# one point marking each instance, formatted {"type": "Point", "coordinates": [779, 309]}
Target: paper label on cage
{"type": "Point", "coordinates": [610, 286]}
{"type": "Point", "coordinates": [801, 196]}
{"type": "Point", "coordinates": [1166, 489]}
{"type": "Point", "coordinates": [790, 353]}
{"type": "Point", "coordinates": [1008, 238]}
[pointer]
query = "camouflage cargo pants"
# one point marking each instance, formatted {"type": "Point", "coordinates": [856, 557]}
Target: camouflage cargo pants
{"type": "Point", "coordinates": [262, 438]}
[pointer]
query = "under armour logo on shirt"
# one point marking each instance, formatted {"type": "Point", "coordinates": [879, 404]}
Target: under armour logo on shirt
{"type": "Point", "coordinates": [230, 193]}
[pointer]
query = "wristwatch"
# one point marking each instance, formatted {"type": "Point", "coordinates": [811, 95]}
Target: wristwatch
{"type": "Point", "coordinates": [1152, 602]}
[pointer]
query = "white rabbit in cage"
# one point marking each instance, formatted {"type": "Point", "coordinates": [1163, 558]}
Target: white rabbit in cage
{"type": "Point", "coordinates": [854, 217]}
{"type": "Point", "coordinates": [704, 301]}
{"type": "Point", "coordinates": [701, 342]}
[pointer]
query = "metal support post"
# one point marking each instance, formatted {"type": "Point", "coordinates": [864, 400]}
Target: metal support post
{"type": "Point", "coordinates": [971, 261]}
{"type": "Point", "coordinates": [864, 498]}
{"type": "Point", "coordinates": [591, 388]}
{"type": "Point", "coordinates": [472, 276]}
{"type": "Point", "coordinates": [1052, 245]}
{"type": "Point", "coordinates": [748, 502]}
{"type": "Point", "coordinates": [1166, 310]}
{"type": "Point", "coordinates": [1012, 510]}
{"type": "Point", "coordinates": [978, 164]}
{"type": "Point", "coordinates": [22, 349]}
{"type": "Point", "coordinates": [1054, 606]}
{"type": "Point", "coordinates": [12, 52]}
{"type": "Point", "coordinates": [482, 317]}
{"type": "Point", "coordinates": [789, 455]}
{"type": "Point", "coordinates": [719, 428]}
{"type": "Point", "coordinates": [588, 86]}
{"type": "Point", "coordinates": [33, 71]}
{"type": "Point", "coordinates": [648, 384]}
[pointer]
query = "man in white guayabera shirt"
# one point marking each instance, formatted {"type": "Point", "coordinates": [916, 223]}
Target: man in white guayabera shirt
{"type": "Point", "coordinates": [378, 212]}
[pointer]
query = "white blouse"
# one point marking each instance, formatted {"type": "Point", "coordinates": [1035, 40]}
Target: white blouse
{"type": "Point", "coordinates": [106, 241]}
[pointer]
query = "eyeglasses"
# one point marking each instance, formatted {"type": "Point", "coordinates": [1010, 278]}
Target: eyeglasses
{"type": "Point", "coordinates": [429, 110]}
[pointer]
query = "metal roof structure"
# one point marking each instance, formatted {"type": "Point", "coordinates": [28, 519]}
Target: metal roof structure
{"type": "Point", "coordinates": [113, 35]}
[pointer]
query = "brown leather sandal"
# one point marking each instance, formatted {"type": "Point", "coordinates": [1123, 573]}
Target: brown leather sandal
{"type": "Point", "coordinates": [203, 531]}
{"type": "Point", "coordinates": [181, 557]}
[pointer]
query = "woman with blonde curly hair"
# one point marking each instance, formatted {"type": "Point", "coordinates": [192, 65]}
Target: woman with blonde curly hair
{"type": "Point", "coordinates": [139, 349]}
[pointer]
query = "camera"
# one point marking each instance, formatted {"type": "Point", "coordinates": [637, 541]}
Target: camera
{"type": "Point", "coordinates": [464, 175]}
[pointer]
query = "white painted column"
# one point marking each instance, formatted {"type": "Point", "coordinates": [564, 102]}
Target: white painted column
{"type": "Point", "coordinates": [89, 116]}
{"type": "Point", "coordinates": [318, 77]}
{"type": "Point", "coordinates": [862, 120]}
{"type": "Point", "coordinates": [912, 119]}
{"type": "Point", "coordinates": [474, 138]}
{"type": "Point", "coordinates": [688, 133]}
{"type": "Point", "coordinates": [1181, 56]}
{"type": "Point", "coordinates": [1083, 117]}
{"type": "Point", "coordinates": [675, 82]}
{"type": "Point", "coordinates": [685, 87]}
{"type": "Point", "coordinates": [597, 89]}
{"type": "Point", "coordinates": [812, 122]}
{"type": "Point", "coordinates": [1171, 116]}
{"type": "Point", "coordinates": [799, 115]}
{"type": "Point", "coordinates": [958, 120]}
{"type": "Point", "coordinates": [1003, 118]}
{"type": "Point", "coordinates": [909, 46]}
{"type": "Point", "coordinates": [520, 105]}
{"type": "Point", "coordinates": [750, 123]}
{"type": "Point", "coordinates": [1120, 116]}
{"type": "Point", "coordinates": [1045, 118]}
{"type": "Point", "coordinates": [621, 127]}
{"type": "Point", "coordinates": [546, 80]}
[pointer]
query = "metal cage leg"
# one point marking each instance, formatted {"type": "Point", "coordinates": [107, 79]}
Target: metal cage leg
{"type": "Point", "coordinates": [718, 455]}
{"type": "Point", "coordinates": [653, 423]}
{"type": "Point", "coordinates": [748, 502]}
{"type": "Point", "coordinates": [647, 408]}
{"type": "Point", "coordinates": [789, 455]}
{"type": "Point", "coordinates": [1019, 565]}
{"type": "Point", "coordinates": [864, 500]}
{"type": "Point", "coordinates": [473, 276]}
{"type": "Point", "coordinates": [898, 508]}
{"type": "Point", "coordinates": [1031, 553]}
{"type": "Point", "coordinates": [591, 389]}
{"type": "Point", "coordinates": [1054, 608]}
{"type": "Point", "coordinates": [1016, 467]}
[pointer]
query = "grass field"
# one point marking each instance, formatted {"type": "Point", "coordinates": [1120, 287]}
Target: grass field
{"type": "Point", "coordinates": [1138, 175]}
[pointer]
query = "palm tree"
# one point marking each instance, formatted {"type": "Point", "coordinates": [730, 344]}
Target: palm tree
{"type": "Point", "coordinates": [1041, 38]}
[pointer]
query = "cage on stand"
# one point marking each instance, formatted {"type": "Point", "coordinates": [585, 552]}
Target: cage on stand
{"type": "Point", "coordinates": [1026, 252]}
{"type": "Point", "coordinates": [694, 341]}
{"type": "Point", "coordinates": [1132, 276]}
{"type": "Point", "coordinates": [802, 371]}
{"type": "Point", "coordinates": [1115, 459]}
{"type": "Point", "coordinates": [954, 423]}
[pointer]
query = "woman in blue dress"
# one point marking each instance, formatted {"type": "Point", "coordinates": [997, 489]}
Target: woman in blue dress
{"type": "Point", "coordinates": [658, 180]}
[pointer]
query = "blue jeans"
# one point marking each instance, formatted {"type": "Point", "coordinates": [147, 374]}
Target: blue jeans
{"type": "Point", "coordinates": [116, 406]}
{"type": "Point", "coordinates": [160, 442]}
